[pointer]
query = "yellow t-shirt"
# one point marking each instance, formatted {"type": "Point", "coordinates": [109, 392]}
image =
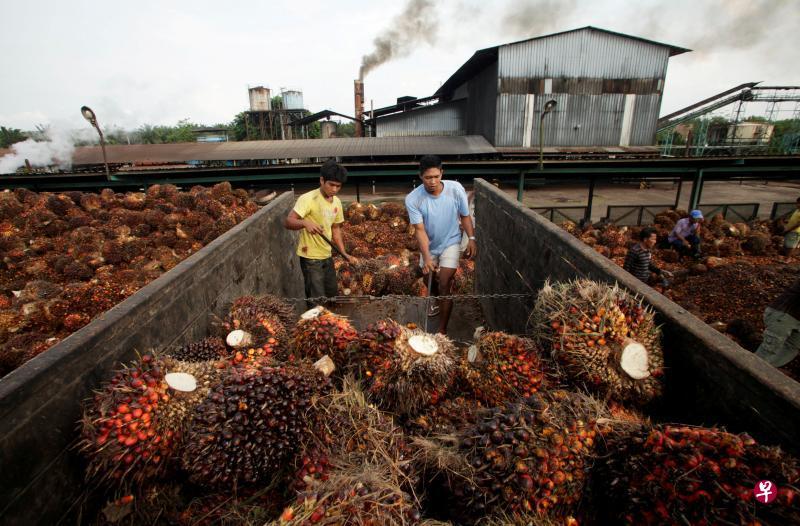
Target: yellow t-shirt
{"type": "Point", "coordinates": [794, 222]}
{"type": "Point", "coordinates": [313, 205]}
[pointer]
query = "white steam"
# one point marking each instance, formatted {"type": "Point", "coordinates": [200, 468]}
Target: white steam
{"type": "Point", "coordinates": [55, 150]}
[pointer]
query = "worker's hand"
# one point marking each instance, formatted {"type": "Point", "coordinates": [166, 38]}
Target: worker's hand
{"type": "Point", "coordinates": [312, 228]}
{"type": "Point", "coordinates": [666, 273]}
{"type": "Point", "coordinates": [686, 244]}
{"type": "Point", "coordinates": [471, 250]}
{"type": "Point", "coordinates": [351, 259]}
{"type": "Point", "coordinates": [428, 266]}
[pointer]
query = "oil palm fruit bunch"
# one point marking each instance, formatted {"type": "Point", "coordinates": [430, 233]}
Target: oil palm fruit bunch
{"type": "Point", "coordinates": [321, 332]}
{"type": "Point", "coordinates": [668, 474]}
{"type": "Point", "coordinates": [604, 338]}
{"type": "Point", "coordinates": [400, 279]}
{"type": "Point", "coordinates": [530, 456]}
{"type": "Point", "coordinates": [356, 466]}
{"type": "Point", "coordinates": [211, 348]}
{"type": "Point", "coordinates": [501, 367]}
{"type": "Point", "coordinates": [374, 348]}
{"type": "Point", "coordinates": [190, 383]}
{"type": "Point", "coordinates": [266, 318]}
{"type": "Point", "coordinates": [368, 277]}
{"type": "Point", "coordinates": [226, 507]}
{"type": "Point", "coordinates": [445, 417]}
{"type": "Point", "coordinates": [249, 426]}
{"type": "Point", "coordinates": [362, 497]}
{"type": "Point", "coordinates": [410, 372]}
{"type": "Point", "coordinates": [120, 434]}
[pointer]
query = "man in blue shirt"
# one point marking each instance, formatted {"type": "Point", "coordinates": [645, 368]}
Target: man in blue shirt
{"type": "Point", "coordinates": [439, 210]}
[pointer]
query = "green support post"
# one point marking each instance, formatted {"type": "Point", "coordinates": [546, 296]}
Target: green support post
{"type": "Point", "coordinates": [521, 185]}
{"type": "Point", "coordinates": [697, 189]}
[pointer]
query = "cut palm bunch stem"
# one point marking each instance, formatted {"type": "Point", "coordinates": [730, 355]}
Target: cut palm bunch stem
{"type": "Point", "coordinates": [671, 474]}
{"type": "Point", "coordinates": [528, 457]}
{"type": "Point", "coordinates": [501, 367]}
{"type": "Point", "coordinates": [135, 423]}
{"type": "Point", "coordinates": [604, 338]}
{"type": "Point", "coordinates": [407, 370]}
{"type": "Point", "coordinates": [248, 428]}
{"type": "Point", "coordinates": [320, 332]}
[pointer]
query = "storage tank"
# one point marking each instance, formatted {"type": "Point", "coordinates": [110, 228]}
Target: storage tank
{"type": "Point", "coordinates": [260, 99]}
{"type": "Point", "coordinates": [292, 99]}
{"type": "Point", "coordinates": [327, 129]}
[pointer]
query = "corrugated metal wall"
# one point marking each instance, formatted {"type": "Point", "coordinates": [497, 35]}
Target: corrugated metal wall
{"type": "Point", "coordinates": [441, 119]}
{"type": "Point", "coordinates": [589, 74]}
{"type": "Point", "coordinates": [587, 53]}
{"type": "Point", "coordinates": [482, 103]}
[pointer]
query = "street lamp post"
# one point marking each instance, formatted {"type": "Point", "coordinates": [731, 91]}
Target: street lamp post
{"type": "Point", "coordinates": [89, 115]}
{"type": "Point", "coordinates": [548, 107]}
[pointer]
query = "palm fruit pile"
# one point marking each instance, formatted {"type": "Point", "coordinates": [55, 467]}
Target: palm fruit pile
{"type": "Point", "coordinates": [120, 434]}
{"type": "Point", "coordinates": [372, 231]}
{"type": "Point", "coordinates": [320, 332]}
{"type": "Point", "coordinates": [670, 474]}
{"type": "Point", "coordinates": [445, 417]}
{"type": "Point", "coordinates": [501, 367]}
{"type": "Point", "coordinates": [261, 325]}
{"type": "Point", "coordinates": [604, 338]}
{"type": "Point", "coordinates": [367, 277]}
{"type": "Point", "coordinates": [356, 467]}
{"type": "Point", "coordinates": [94, 250]}
{"type": "Point", "coordinates": [249, 426]}
{"type": "Point", "coordinates": [527, 457]}
{"type": "Point", "coordinates": [409, 369]}
{"type": "Point", "coordinates": [210, 348]}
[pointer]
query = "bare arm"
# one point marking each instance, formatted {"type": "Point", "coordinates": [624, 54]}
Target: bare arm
{"type": "Point", "coordinates": [338, 240]}
{"type": "Point", "coordinates": [295, 222]}
{"type": "Point", "coordinates": [424, 248]}
{"type": "Point", "coordinates": [472, 246]}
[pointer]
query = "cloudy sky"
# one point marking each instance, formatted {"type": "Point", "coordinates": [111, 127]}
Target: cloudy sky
{"type": "Point", "coordinates": [158, 62]}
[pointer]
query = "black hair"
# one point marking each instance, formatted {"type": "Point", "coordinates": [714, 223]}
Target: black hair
{"type": "Point", "coordinates": [647, 232]}
{"type": "Point", "coordinates": [798, 200]}
{"type": "Point", "coordinates": [429, 161]}
{"type": "Point", "coordinates": [333, 171]}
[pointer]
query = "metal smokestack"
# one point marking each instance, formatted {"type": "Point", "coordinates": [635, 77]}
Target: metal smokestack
{"type": "Point", "coordinates": [358, 87]}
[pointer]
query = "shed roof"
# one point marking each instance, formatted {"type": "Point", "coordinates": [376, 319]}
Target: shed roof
{"type": "Point", "coordinates": [291, 149]}
{"type": "Point", "coordinates": [484, 57]}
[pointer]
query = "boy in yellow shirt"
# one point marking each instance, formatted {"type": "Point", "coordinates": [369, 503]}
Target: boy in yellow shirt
{"type": "Point", "coordinates": [319, 213]}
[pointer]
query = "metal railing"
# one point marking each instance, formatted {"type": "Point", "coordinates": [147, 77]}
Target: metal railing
{"type": "Point", "coordinates": [782, 210]}
{"type": "Point", "coordinates": [559, 214]}
{"type": "Point", "coordinates": [735, 212]}
{"type": "Point", "coordinates": [634, 215]}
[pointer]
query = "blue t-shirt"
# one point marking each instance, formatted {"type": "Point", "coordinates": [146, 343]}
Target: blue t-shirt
{"type": "Point", "coordinates": [441, 214]}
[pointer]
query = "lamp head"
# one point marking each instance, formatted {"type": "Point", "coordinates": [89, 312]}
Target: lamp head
{"type": "Point", "coordinates": [549, 106]}
{"type": "Point", "coordinates": [88, 114]}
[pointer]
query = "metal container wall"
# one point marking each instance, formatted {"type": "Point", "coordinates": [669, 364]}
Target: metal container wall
{"type": "Point", "coordinates": [292, 100]}
{"type": "Point", "coordinates": [260, 99]}
{"type": "Point", "coordinates": [440, 119]}
{"type": "Point", "coordinates": [587, 53]}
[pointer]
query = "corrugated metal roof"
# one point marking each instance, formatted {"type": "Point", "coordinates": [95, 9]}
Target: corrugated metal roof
{"type": "Point", "coordinates": [293, 149]}
{"type": "Point", "coordinates": [484, 57]}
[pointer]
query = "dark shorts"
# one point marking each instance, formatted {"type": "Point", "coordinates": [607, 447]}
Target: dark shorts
{"type": "Point", "coordinates": [320, 278]}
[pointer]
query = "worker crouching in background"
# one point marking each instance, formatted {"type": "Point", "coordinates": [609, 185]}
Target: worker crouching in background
{"type": "Point", "coordinates": [685, 236]}
{"type": "Point", "coordinates": [639, 260]}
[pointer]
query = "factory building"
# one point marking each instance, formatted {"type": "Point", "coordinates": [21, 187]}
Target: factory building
{"type": "Point", "coordinates": [606, 87]}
